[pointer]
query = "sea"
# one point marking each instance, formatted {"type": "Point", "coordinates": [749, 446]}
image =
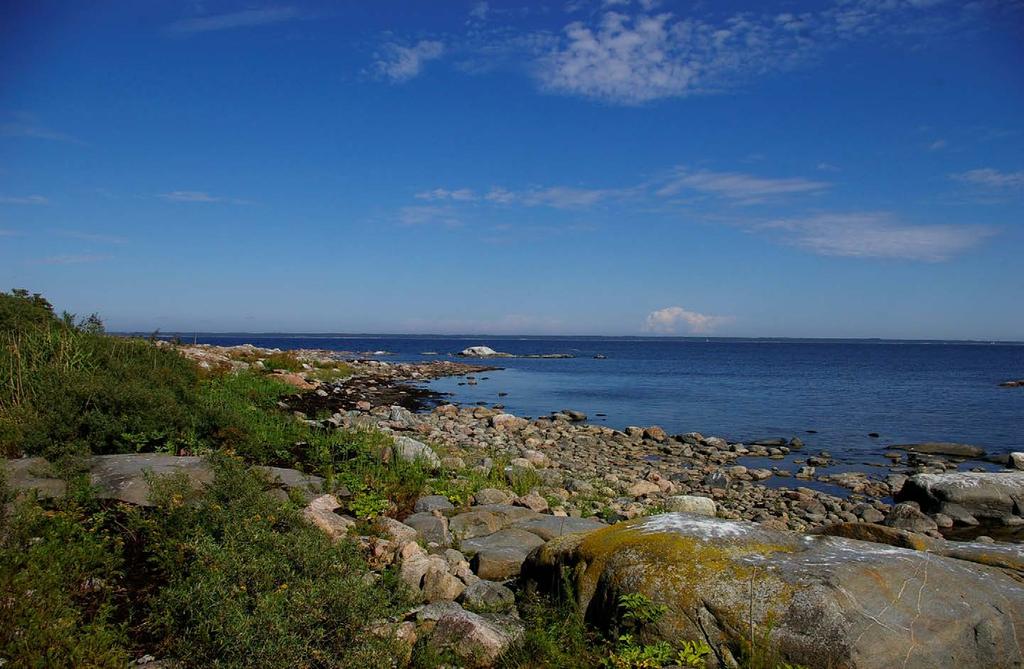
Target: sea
{"type": "Point", "coordinates": [832, 394]}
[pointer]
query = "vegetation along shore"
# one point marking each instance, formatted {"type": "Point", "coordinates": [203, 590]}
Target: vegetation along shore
{"type": "Point", "coordinates": [175, 505]}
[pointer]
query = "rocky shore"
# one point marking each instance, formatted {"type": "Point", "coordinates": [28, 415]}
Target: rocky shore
{"type": "Point", "coordinates": [869, 580]}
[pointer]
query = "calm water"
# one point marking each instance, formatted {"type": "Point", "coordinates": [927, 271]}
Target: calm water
{"type": "Point", "coordinates": [741, 390]}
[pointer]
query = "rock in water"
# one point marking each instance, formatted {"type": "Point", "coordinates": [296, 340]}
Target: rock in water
{"type": "Point", "coordinates": [482, 352]}
{"type": "Point", "coordinates": [961, 495]}
{"type": "Point", "coordinates": [820, 601]}
{"type": "Point", "coordinates": [942, 448]}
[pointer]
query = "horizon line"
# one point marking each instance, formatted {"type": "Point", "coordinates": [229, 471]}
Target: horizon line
{"type": "Point", "coordinates": [692, 337]}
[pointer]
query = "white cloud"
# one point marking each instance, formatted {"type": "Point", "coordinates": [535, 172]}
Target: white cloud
{"type": "Point", "coordinates": [198, 196]}
{"type": "Point", "coordinates": [671, 320]}
{"type": "Point", "coordinates": [738, 186]}
{"type": "Point", "coordinates": [827, 167]}
{"type": "Point", "coordinates": [564, 197]}
{"type": "Point", "coordinates": [479, 11]}
{"type": "Point", "coordinates": [459, 195]}
{"type": "Point", "coordinates": [632, 57]}
{"type": "Point", "coordinates": [399, 63]}
{"type": "Point", "coordinates": [876, 235]}
{"type": "Point", "coordinates": [443, 216]}
{"type": "Point", "coordinates": [26, 199]}
{"type": "Point", "coordinates": [938, 144]}
{"type": "Point", "coordinates": [991, 178]}
{"type": "Point", "coordinates": [244, 19]}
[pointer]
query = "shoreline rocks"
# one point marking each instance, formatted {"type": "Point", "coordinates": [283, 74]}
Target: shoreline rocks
{"type": "Point", "coordinates": [820, 601]}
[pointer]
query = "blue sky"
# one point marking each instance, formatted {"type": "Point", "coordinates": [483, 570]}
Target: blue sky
{"type": "Point", "coordinates": [838, 169]}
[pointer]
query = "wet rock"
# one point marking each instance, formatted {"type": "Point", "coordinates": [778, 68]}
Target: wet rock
{"type": "Point", "coordinates": [942, 448]}
{"type": "Point", "coordinates": [821, 601]}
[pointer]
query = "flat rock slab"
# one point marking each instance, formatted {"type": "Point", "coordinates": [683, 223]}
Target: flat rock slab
{"type": "Point", "coordinates": [126, 477]}
{"type": "Point", "coordinates": [507, 513]}
{"type": "Point", "coordinates": [942, 448]}
{"type": "Point", "coordinates": [25, 475]}
{"type": "Point", "coordinates": [549, 527]}
{"type": "Point", "coordinates": [822, 601]}
{"type": "Point", "coordinates": [500, 556]}
{"type": "Point", "coordinates": [982, 494]}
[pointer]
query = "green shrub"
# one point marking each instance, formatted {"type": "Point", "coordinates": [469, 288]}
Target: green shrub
{"type": "Point", "coordinates": [60, 589]}
{"type": "Point", "coordinates": [69, 389]}
{"type": "Point", "coordinates": [556, 637]}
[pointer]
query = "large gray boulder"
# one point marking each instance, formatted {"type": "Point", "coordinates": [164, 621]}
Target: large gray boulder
{"type": "Point", "coordinates": [818, 601]}
{"type": "Point", "coordinates": [126, 477]}
{"type": "Point", "coordinates": [500, 556]}
{"type": "Point", "coordinates": [965, 495]}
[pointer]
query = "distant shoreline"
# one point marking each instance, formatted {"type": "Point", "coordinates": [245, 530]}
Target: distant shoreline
{"type": "Point", "coordinates": [635, 338]}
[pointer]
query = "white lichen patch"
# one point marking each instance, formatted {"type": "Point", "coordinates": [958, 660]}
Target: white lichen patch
{"type": "Point", "coordinates": [696, 526]}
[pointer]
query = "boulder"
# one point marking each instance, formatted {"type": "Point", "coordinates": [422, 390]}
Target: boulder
{"type": "Point", "coordinates": [482, 352]}
{"type": "Point", "coordinates": [482, 595]}
{"type": "Point", "coordinates": [432, 503]}
{"type": "Point", "coordinates": [983, 495]}
{"type": "Point", "coordinates": [476, 640]}
{"type": "Point", "coordinates": [643, 489]}
{"type": "Point", "coordinates": [908, 516]}
{"type": "Point", "coordinates": [492, 496]}
{"type": "Point", "coordinates": [126, 477]}
{"type": "Point", "coordinates": [500, 556]}
{"type": "Point", "coordinates": [411, 450]}
{"type": "Point", "coordinates": [532, 501]}
{"type": "Point", "coordinates": [439, 585]}
{"type": "Point", "coordinates": [307, 485]}
{"type": "Point", "coordinates": [507, 513]}
{"type": "Point", "coordinates": [430, 528]}
{"type": "Point", "coordinates": [27, 475]}
{"type": "Point", "coordinates": [818, 601]}
{"type": "Point", "coordinates": [474, 524]}
{"type": "Point", "coordinates": [549, 527]}
{"type": "Point", "coordinates": [320, 512]}
{"type": "Point", "coordinates": [703, 506]}
{"type": "Point", "coordinates": [398, 532]}
{"type": "Point", "coordinates": [942, 448]}
{"type": "Point", "coordinates": [1009, 557]}
{"type": "Point", "coordinates": [1016, 460]}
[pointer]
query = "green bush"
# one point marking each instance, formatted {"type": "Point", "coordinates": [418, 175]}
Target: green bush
{"type": "Point", "coordinates": [70, 389]}
{"type": "Point", "coordinates": [249, 584]}
{"type": "Point", "coordinates": [60, 589]}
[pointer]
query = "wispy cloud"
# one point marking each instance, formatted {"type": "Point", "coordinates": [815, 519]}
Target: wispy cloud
{"type": "Point", "coordinates": [673, 320]}
{"type": "Point", "coordinates": [27, 199]}
{"type": "Point", "coordinates": [991, 178]}
{"type": "Point", "coordinates": [937, 145]}
{"type": "Point", "coordinates": [398, 63]}
{"type": "Point", "coordinates": [628, 56]}
{"type": "Point", "coordinates": [244, 19]}
{"type": "Point", "coordinates": [429, 215]}
{"type": "Point", "coordinates": [29, 129]}
{"type": "Point", "coordinates": [876, 235]}
{"type": "Point", "coordinates": [70, 259]}
{"type": "Point", "coordinates": [92, 237]}
{"type": "Point", "coordinates": [459, 194]}
{"type": "Point", "coordinates": [199, 196]}
{"type": "Point", "coordinates": [745, 188]}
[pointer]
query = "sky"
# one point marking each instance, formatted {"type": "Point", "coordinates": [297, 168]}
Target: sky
{"type": "Point", "coordinates": [843, 168]}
